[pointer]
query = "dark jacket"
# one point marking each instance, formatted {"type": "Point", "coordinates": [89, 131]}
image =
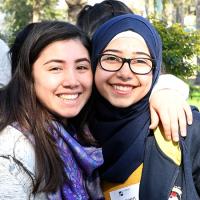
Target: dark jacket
{"type": "Point", "coordinates": [161, 174]}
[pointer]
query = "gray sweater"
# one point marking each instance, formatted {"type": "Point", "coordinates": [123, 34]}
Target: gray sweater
{"type": "Point", "coordinates": [15, 183]}
{"type": "Point", "coordinates": [5, 67]}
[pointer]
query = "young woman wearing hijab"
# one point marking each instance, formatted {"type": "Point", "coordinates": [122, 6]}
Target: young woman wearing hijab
{"type": "Point", "coordinates": [168, 105]}
{"type": "Point", "coordinates": [138, 164]}
{"type": "Point", "coordinates": [45, 149]}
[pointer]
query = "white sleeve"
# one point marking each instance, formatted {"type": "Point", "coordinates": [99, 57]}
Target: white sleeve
{"type": "Point", "coordinates": [13, 181]}
{"type": "Point", "coordinates": [169, 81]}
{"type": "Point", "coordinates": [17, 156]}
{"type": "Point", "coordinates": [5, 65]}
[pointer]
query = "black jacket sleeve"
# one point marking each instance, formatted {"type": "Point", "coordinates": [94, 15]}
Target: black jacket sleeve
{"type": "Point", "coordinates": [193, 141]}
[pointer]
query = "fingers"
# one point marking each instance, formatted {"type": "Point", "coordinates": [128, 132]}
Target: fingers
{"type": "Point", "coordinates": [182, 122]}
{"type": "Point", "coordinates": [188, 113]}
{"type": "Point", "coordinates": [174, 120]}
{"type": "Point", "coordinates": [173, 112]}
{"type": "Point", "coordinates": [176, 116]}
{"type": "Point", "coordinates": [180, 116]}
{"type": "Point", "coordinates": [184, 118]}
{"type": "Point", "coordinates": [154, 118]}
{"type": "Point", "coordinates": [166, 123]}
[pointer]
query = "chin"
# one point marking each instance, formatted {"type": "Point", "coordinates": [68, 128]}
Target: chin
{"type": "Point", "coordinates": [121, 105]}
{"type": "Point", "coordinates": [69, 114]}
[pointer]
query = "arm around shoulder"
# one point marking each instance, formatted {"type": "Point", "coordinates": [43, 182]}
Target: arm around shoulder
{"type": "Point", "coordinates": [169, 81]}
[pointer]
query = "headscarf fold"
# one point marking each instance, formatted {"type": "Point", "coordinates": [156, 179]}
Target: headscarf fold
{"type": "Point", "coordinates": [122, 131]}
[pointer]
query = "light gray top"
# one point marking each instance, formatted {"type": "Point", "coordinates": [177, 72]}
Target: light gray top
{"type": "Point", "coordinates": [15, 183]}
{"type": "Point", "coordinates": [5, 67]}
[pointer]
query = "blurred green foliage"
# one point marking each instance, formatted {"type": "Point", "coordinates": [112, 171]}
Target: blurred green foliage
{"type": "Point", "coordinates": [179, 49]}
{"type": "Point", "coordinates": [19, 13]}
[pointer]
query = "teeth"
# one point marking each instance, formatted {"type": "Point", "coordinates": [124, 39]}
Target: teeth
{"type": "Point", "coordinates": [68, 96]}
{"type": "Point", "coordinates": [122, 88]}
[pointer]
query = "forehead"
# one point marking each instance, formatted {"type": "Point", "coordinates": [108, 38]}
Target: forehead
{"type": "Point", "coordinates": [65, 48]}
{"type": "Point", "coordinates": [128, 44]}
{"type": "Point", "coordinates": [66, 43]}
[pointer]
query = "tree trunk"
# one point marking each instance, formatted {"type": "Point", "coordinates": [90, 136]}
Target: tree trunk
{"type": "Point", "coordinates": [198, 14]}
{"type": "Point", "coordinates": [36, 10]}
{"type": "Point", "coordinates": [147, 4]}
{"type": "Point", "coordinates": [180, 13]}
{"type": "Point", "coordinates": [158, 7]}
{"type": "Point", "coordinates": [198, 27]}
{"type": "Point", "coordinates": [74, 6]}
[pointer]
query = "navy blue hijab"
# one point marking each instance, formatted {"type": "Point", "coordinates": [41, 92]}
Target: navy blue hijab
{"type": "Point", "coordinates": [122, 131]}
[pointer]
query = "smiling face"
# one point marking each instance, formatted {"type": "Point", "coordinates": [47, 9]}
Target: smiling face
{"type": "Point", "coordinates": [63, 77]}
{"type": "Point", "coordinates": [124, 88]}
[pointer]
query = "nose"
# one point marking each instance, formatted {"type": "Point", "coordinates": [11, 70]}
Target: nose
{"type": "Point", "coordinates": [125, 72]}
{"type": "Point", "coordinates": [70, 78]}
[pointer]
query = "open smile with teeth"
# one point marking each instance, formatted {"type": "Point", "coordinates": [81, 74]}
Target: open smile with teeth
{"type": "Point", "coordinates": [68, 97]}
{"type": "Point", "coordinates": [122, 88]}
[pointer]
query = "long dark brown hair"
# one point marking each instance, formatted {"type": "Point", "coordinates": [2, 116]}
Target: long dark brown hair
{"type": "Point", "coordinates": [18, 101]}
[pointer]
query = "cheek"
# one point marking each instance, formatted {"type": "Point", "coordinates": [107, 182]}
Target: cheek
{"type": "Point", "coordinates": [87, 81]}
{"type": "Point", "coordinates": [41, 90]}
{"type": "Point", "coordinates": [146, 82]}
{"type": "Point", "coordinates": [96, 79]}
{"type": "Point", "coordinates": [101, 77]}
{"type": "Point", "coordinates": [45, 85]}
{"type": "Point", "coordinates": [88, 85]}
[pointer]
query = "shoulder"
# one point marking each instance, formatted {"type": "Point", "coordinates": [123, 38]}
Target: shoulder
{"type": "Point", "coordinates": [16, 184]}
{"type": "Point", "coordinates": [193, 131]}
{"type": "Point", "coordinates": [4, 49]}
{"type": "Point", "coordinates": [3, 46]}
{"type": "Point", "coordinates": [196, 114]}
{"type": "Point", "coordinates": [5, 65]}
{"type": "Point", "coordinates": [17, 165]}
{"type": "Point", "coordinates": [13, 143]}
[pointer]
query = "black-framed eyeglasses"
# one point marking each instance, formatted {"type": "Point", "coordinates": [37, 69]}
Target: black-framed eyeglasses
{"type": "Point", "coordinates": [139, 65]}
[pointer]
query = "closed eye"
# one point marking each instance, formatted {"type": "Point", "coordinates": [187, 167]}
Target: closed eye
{"type": "Point", "coordinates": [110, 58]}
{"type": "Point", "coordinates": [140, 60]}
{"type": "Point", "coordinates": [55, 68]}
{"type": "Point", "coordinates": [145, 61]}
{"type": "Point", "coordinates": [82, 67]}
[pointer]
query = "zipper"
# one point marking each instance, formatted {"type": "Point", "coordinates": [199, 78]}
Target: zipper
{"type": "Point", "coordinates": [173, 180]}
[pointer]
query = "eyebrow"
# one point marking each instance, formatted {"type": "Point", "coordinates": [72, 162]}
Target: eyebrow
{"type": "Point", "coordinates": [83, 59]}
{"type": "Point", "coordinates": [113, 50]}
{"type": "Point", "coordinates": [143, 53]}
{"type": "Point", "coordinates": [118, 51]}
{"type": "Point", "coordinates": [53, 60]}
{"type": "Point", "coordinates": [62, 61]}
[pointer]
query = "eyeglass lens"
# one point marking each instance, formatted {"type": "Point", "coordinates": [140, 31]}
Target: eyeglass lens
{"type": "Point", "coordinates": [139, 65]}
